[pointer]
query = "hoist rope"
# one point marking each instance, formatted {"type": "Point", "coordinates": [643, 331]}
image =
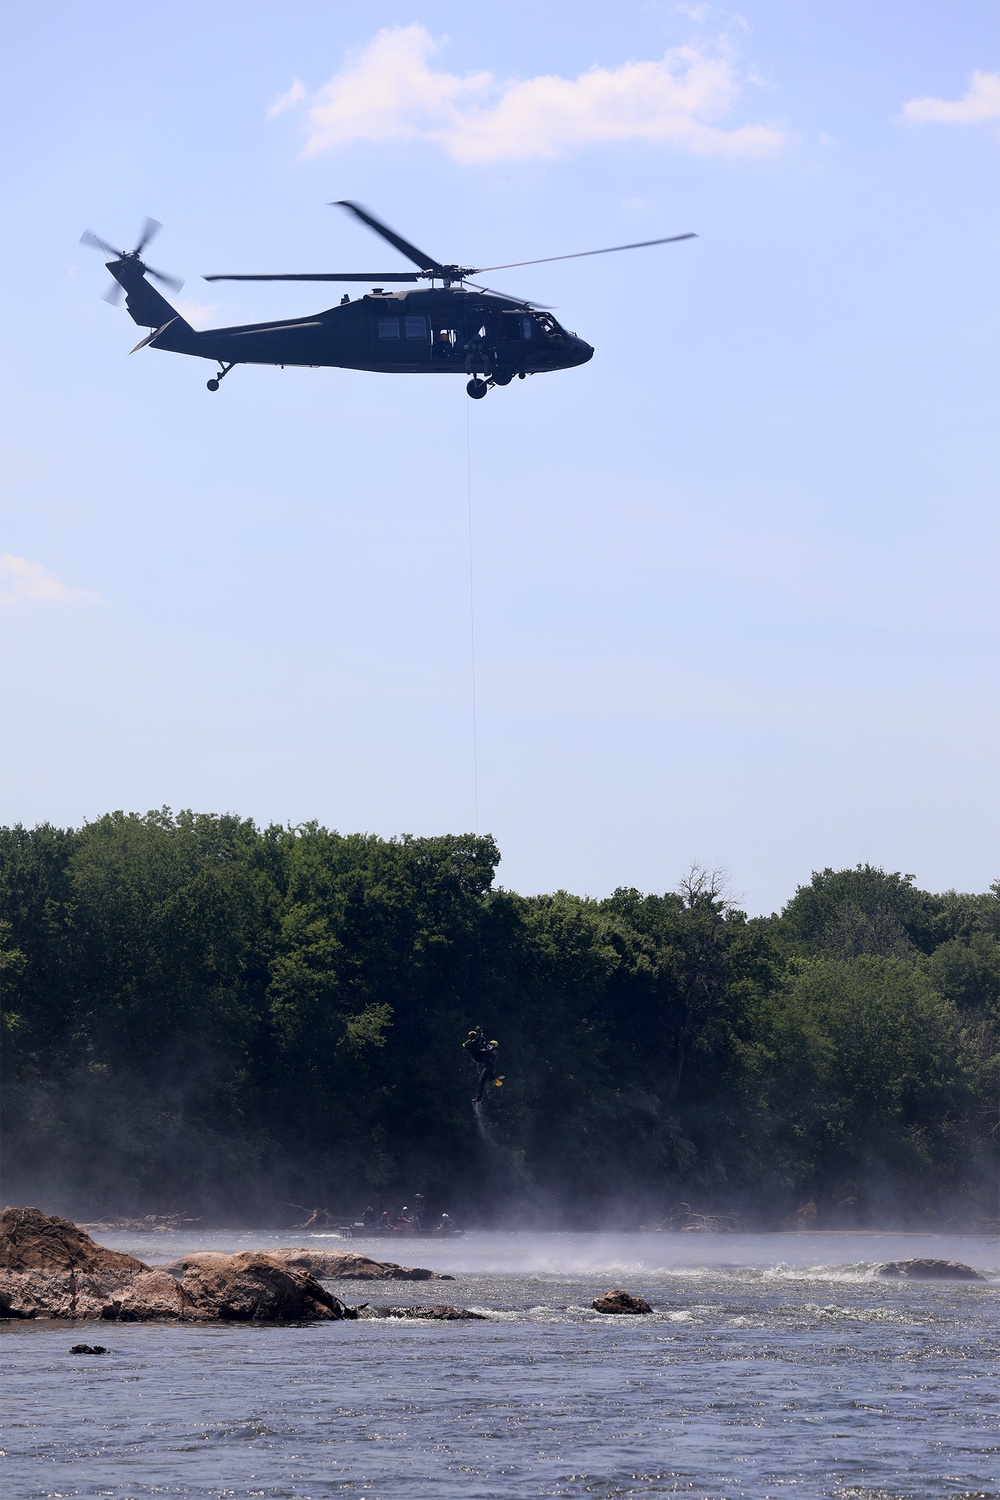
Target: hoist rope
{"type": "Point", "coordinates": [472, 615]}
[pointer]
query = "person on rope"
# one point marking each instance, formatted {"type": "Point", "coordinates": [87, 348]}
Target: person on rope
{"type": "Point", "coordinates": [485, 1055]}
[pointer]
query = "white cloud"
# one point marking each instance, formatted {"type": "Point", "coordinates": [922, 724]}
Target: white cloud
{"type": "Point", "coordinates": [196, 312]}
{"type": "Point", "coordinates": [981, 101]}
{"type": "Point", "coordinates": [295, 95]}
{"type": "Point", "coordinates": [21, 580]}
{"type": "Point", "coordinates": [391, 92]}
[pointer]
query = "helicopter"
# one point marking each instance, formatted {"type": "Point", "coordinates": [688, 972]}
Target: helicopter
{"type": "Point", "coordinates": [454, 325]}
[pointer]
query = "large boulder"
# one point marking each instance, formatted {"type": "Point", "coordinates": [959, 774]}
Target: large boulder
{"type": "Point", "coordinates": [331, 1265]}
{"type": "Point", "coordinates": [928, 1269]}
{"type": "Point", "coordinates": [49, 1268]}
{"type": "Point", "coordinates": [253, 1287]}
{"type": "Point", "coordinates": [338, 1265]}
{"type": "Point", "coordinates": [33, 1241]}
{"type": "Point", "coordinates": [618, 1301]}
{"type": "Point", "coordinates": [128, 1296]}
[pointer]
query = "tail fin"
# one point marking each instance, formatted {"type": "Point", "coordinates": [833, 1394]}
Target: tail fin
{"type": "Point", "coordinates": [144, 304]}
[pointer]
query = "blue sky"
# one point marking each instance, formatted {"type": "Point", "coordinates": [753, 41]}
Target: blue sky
{"type": "Point", "coordinates": [733, 579]}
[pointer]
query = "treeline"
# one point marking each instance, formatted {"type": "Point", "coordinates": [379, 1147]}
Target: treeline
{"type": "Point", "coordinates": [206, 1016]}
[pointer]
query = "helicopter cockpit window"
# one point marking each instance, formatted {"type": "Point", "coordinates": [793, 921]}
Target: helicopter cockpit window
{"type": "Point", "coordinates": [416, 328]}
{"type": "Point", "coordinates": [388, 328]}
{"type": "Point", "coordinates": [510, 328]}
{"type": "Point", "coordinates": [526, 327]}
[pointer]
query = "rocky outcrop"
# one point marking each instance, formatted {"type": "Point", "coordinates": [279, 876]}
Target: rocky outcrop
{"type": "Point", "coordinates": [618, 1301]}
{"type": "Point", "coordinates": [33, 1241]}
{"type": "Point", "coordinates": [256, 1287]}
{"type": "Point", "coordinates": [50, 1268]}
{"type": "Point", "coordinates": [336, 1265]}
{"type": "Point", "coordinates": [928, 1270]}
{"type": "Point", "coordinates": [247, 1288]}
{"type": "Point", "coordinates": [128, 1296]}
{"type": "Point", "coordinates": [436, 1310]}
{"type": "Point", "coordinates": [330, 1265]}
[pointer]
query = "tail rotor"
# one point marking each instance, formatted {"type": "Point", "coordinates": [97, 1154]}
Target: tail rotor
{"type": "Point", "coordinates": [150, 228]}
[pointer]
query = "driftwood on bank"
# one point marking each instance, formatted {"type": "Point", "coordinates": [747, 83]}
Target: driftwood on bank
{"type": "Point", "coordinates": [150, 1224]}
{"type": "Point", "coordinates": [682, 1219]}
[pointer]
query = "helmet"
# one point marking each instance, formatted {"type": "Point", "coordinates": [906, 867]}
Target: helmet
{"type": "Point", "coordinates": [473, 1033]}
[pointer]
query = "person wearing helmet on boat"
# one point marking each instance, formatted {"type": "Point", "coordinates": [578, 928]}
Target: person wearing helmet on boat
{"type": "Point", "coordinates": [484, 1054]}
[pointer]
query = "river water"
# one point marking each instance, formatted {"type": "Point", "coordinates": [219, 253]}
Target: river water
{"type": "Point", "coordinates": [772, 1366]}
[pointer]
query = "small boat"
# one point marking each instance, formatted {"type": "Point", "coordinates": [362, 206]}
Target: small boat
{"type": "Point", "coordinates": [377, 1231]}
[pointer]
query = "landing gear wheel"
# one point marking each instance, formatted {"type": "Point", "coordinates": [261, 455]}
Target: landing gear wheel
{"type": "Point", "coordinates": [501, 378]}
{"type": "Point", "coordinates": [477, 389]}
{"type": "Point", "coordinates": [212, 385]}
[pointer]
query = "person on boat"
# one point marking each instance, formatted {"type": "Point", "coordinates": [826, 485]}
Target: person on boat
{"type": "Point", "coordinates": [384, 1221]}
{"type": "Point", "coordinates": [418, 1211]}
{"type": "Point", "coordinates": [484, 1054]}
{"type": "Point", "coordinates": [368, 1217]}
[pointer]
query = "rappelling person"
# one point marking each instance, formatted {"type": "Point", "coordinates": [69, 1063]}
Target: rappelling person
{"type": "Point", "coordinates": [485, 1055]}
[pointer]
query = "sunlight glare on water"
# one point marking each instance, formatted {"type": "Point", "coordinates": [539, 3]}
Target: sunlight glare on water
{"type": "Point", "coordinates": [772, 1365]}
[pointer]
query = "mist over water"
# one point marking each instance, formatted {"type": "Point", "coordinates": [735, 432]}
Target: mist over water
{"type": "Point", "coordinates": [793, 1255]}
{"type": "Point", "coordinates": [772, 1364]}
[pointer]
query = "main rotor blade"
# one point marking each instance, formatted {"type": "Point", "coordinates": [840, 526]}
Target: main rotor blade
{"type": "Point", "coordinates": [419, 257]}
{"type": "Point", "coordinates": [88, 237]}
{"type": "Point", "coordinates": [579, 254]}
{"type": "Point", "coordinates": [519, 301]}
{"type": "Point", "coordinates": [374, 276]}
{"type": "Point", "coordinates": [150, 229]}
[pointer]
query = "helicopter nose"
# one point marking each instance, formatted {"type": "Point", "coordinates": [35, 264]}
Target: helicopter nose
{"type": "Point", "coordinates": [584, 351]}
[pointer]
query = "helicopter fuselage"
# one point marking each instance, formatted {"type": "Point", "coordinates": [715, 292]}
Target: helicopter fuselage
{"type": "Point", "coordinates": [426, 331]}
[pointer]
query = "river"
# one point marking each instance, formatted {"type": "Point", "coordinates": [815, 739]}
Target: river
{"type": "Point", "coordinates": [773, 1366]}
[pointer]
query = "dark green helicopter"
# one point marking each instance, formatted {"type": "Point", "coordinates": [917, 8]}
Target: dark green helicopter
{"type": "Point", "coordinates": [440, 329]}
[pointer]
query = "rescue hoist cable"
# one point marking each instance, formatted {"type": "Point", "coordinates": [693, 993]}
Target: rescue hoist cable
{"type": "Point", "coordinates": [472, 617]}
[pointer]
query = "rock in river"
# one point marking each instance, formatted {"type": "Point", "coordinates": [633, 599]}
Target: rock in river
{"type": "Point", "coordinates": [33, 1241]}
{"type": "Point", "coordinates": [618, 1301]}
{"type": "Point", "coordinates": [50, 1268]}
{"type": "Point", "coordinates": [331, 1265]}
{"type": "Point", "coordinates": [928, 1270]}
{"type": "Point", "coordinates": [436, 1310]}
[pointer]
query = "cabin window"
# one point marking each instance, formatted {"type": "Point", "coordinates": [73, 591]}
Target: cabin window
{"type": "Point", "coordinates": [526, 326]}
{"type": "Point", "coordinates": [416, 328]}
{"type": "Point", "coordinates": [388, 328]}
{"type": "Point", "coordinates": [510, 328]}
{"type": "Point", "coordinates": [444, 341]}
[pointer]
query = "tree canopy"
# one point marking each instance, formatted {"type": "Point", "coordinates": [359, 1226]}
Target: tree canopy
{"type": "Point", "coordinates": [233, 1020]}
